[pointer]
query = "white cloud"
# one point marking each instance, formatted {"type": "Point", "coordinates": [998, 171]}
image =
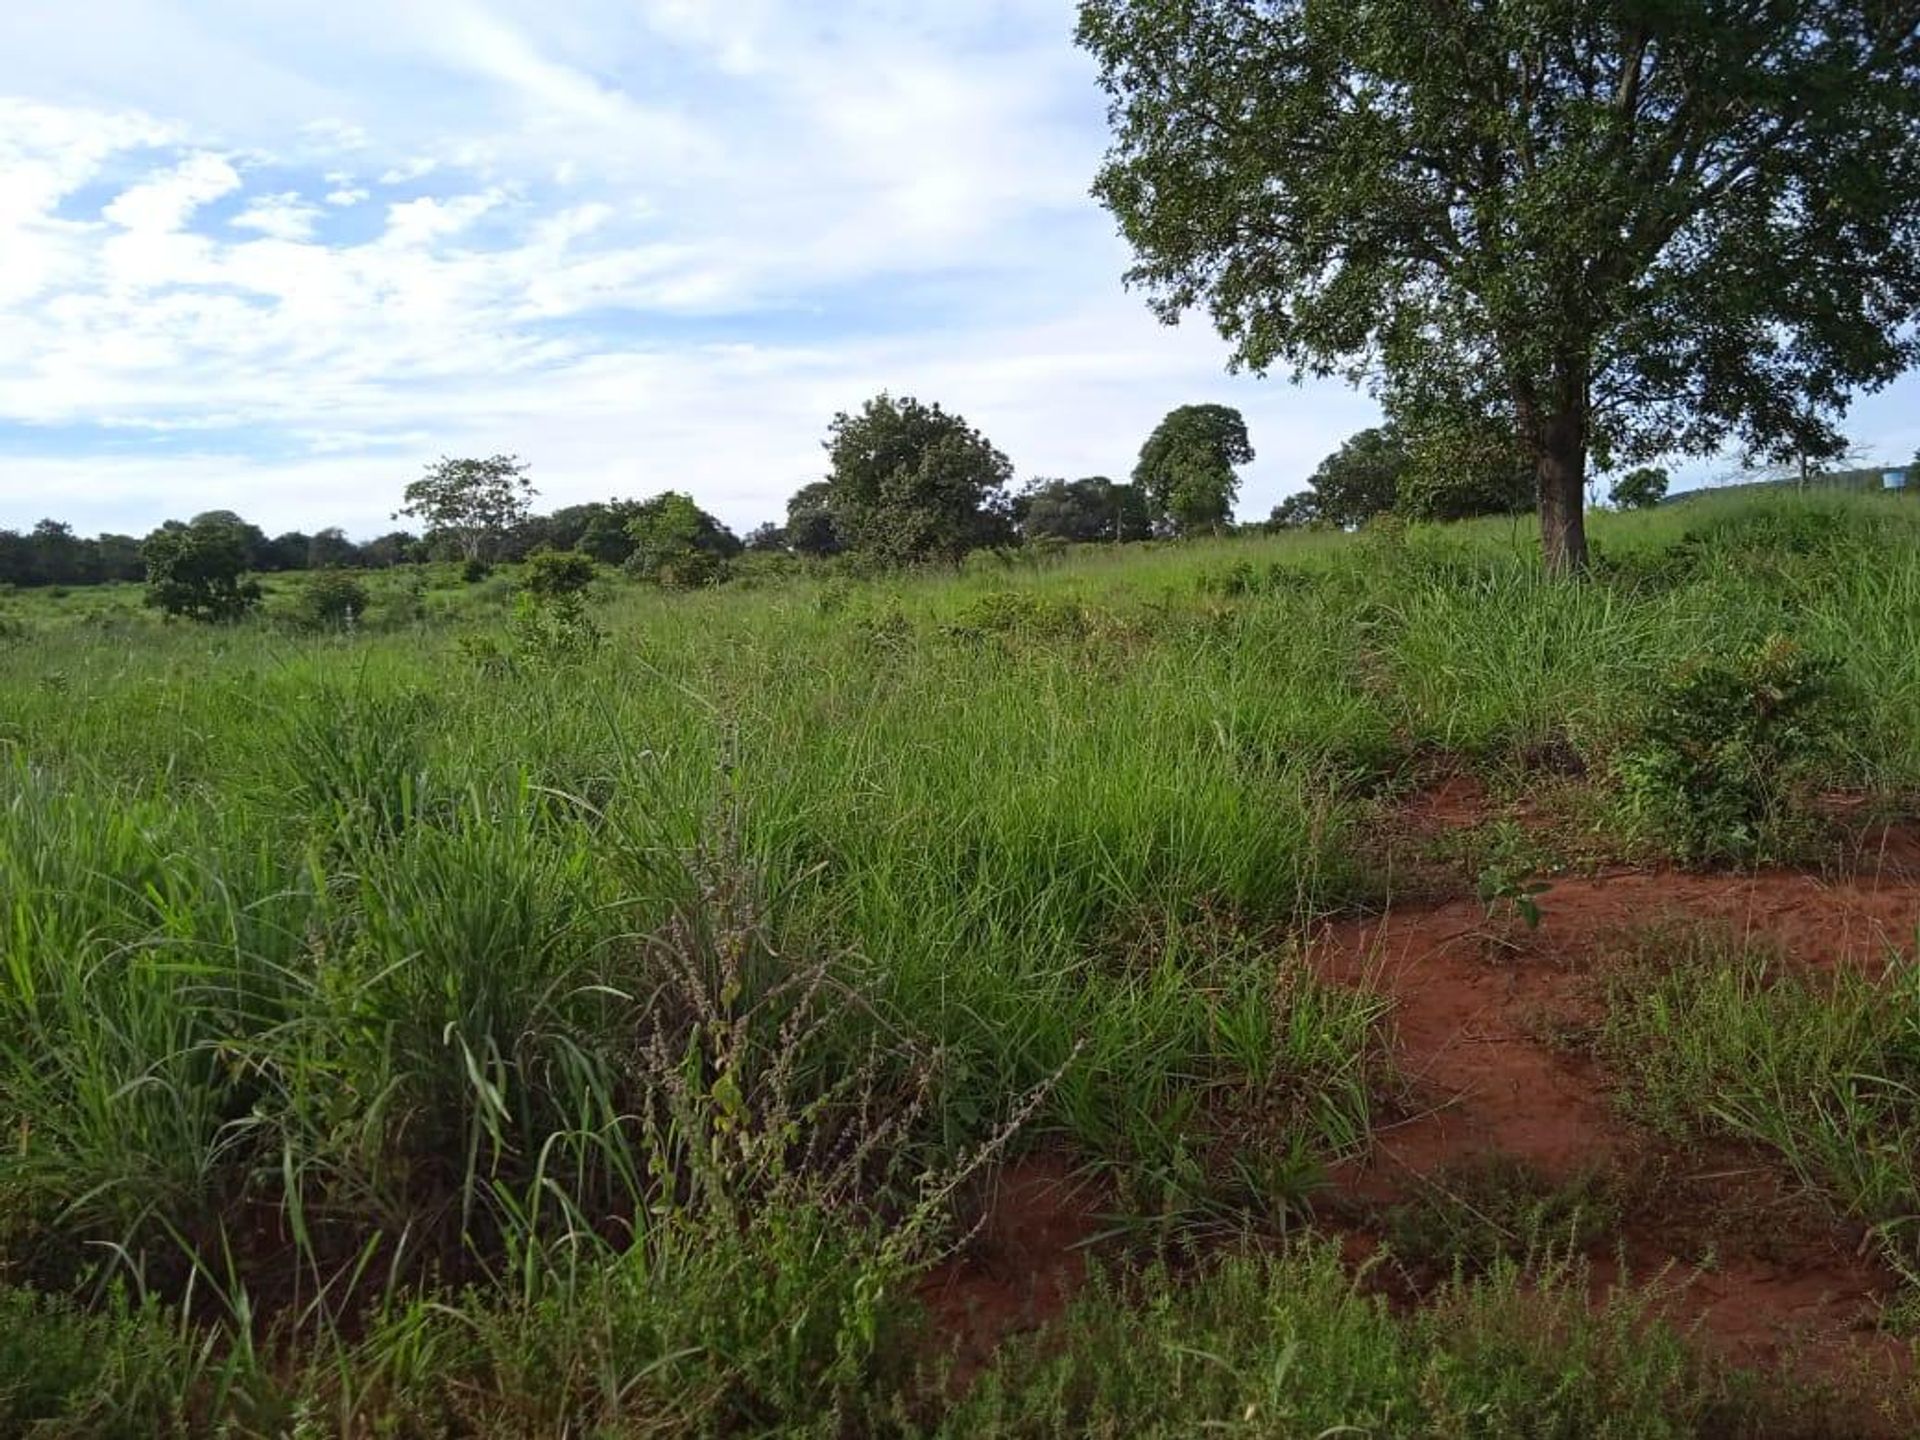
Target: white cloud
{"type": "Point", "coordinates": [283, 217]}
{"type": "Point", "coordinates": [418, 222]}
{"type": "Point", "coordinates": [335, 136]}
{"type": "Point", "coordinates": [168, 200]}
{"type": "Point", "coordinates": [644, 243]}
{"type": "Point", "coordinates": [414, 169]}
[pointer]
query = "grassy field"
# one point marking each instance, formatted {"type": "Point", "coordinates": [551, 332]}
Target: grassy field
{"type": "Point", "coordinates": [483, 1024]}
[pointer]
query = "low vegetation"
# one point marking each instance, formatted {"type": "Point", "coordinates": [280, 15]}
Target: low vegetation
{"type": "Point", "coordinates": [555, 1001]}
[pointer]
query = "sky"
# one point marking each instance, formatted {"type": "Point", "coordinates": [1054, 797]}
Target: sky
{"type": "Point", "coordinates": [276, 256]}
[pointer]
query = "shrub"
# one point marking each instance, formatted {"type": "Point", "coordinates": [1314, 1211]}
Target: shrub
{"type": "Point", "coordinates": [64, 1372]}
{"type": "Point", "coordinates": [556, 631]}
{"type": "Point", "coordinates": [330, 600]}
{"type": "Point", "coordinates": [678, 545]}
{"type": "Point", "coordinates": [1020, 612]}
{"type": "Point", "coordinates": [1712, 774]}
{"type": "Point", "coordinates": [473, 571]}
{"type": "Point", "coordinates": [1290, 1346]}
{"type": "Point", "coordinates": [551, 573]}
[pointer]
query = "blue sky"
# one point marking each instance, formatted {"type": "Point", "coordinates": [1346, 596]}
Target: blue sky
{"type": "Point", "coordinates": [276, 257]}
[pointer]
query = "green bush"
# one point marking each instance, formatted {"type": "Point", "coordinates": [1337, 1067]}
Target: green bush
{"type": "Point", "coordinates": [1713, 773]}
{"type": "Point", "coordinates": [65, 1373]}
{"type": "Point", "coordinates": [1290, 1346]}
{"type": "Point", "coordinates": [1020, 612]}
{"type": "Point", "coordinates": [330, 600]}
{"type": "Point", "coordinates": [551, 573]}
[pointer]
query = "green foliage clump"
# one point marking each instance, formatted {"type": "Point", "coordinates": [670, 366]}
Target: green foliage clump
{"type": "Point", "coordinates": [1712, 774]}
{"type": "Point", "coordinates": [1640, 489]}
{"type": "Point", "coordinates": [549, 574]}
{"type": "Point", "coordinates": [910, 482]}
{"type": "Point", "coordinates": [1082, 512]}
{"type": "Point", "coordinates": [198, 570]}
{"type": "Point", "coordinates": [1459, 468]}
{"type": "Point", "coordinates": [791, 1324]}
{"type": "Point", "coordinates": [1357, 482]}
{"type": "Point", "coordinates": [118, 1375]}
{"type": "Point", "coordinates": [330, 600]}
{"type": "Point", "coordinates": [1021, 612]}
{"type": "Point", "coordinates": [1289, 1346]}
{"type": "Point", "coordinates": [1187, 467]}
{"type": "Point", "coordinates": [1474, 1214]}
{"type": "Point", "coordinates": [678, 545]}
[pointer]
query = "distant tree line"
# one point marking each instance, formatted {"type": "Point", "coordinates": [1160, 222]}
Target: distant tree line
{"type": "Point", "coordinates": [51, 554]}
{"type": "Point", "coordinates": [907, 483]}
{"type": "Point", "coordinates": [1436, 474]}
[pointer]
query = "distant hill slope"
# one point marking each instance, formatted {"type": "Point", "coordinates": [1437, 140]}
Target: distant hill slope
{"type": "Point", "coordinates": [1867, 477]}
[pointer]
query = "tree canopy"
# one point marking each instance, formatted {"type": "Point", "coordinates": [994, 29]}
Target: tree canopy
{"type": "Point", "coordinates": [1361, 479]}
{"type": "Point", "coordinates": [1621, 229]}
{"type": "Point", "coordinates": [1640, 489]}
{"type": "Point", "coordinates": [1186, 468]}
{"type": "Point", "coordinates": [677, 543]}
{"type": "Point", "coordinates": [1082, 511]}
{"type": "Point", "coordinates": [811, 528]}
{"type": "Point", "coordinates": [198, 570]}
{"type": "Point", "coordinates": [471, 504]}
{"type": "Point", "coordinates": [910, 482]}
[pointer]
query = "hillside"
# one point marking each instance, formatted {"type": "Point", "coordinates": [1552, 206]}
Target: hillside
{"type": "Point", "coordinates": [1270, 984]}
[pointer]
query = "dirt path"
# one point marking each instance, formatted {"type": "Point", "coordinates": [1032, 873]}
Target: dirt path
{"type": "Point", "coordinates": [1477, 1006]}
{"type": "Point", "coordinates": [1736, 1250]}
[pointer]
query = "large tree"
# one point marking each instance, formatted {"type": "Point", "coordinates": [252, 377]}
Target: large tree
{"type": "Point", "coordinates": [910, 482]}
{"type": "Point", "coordinates": [1082, 511]}
{"type": "Point", "coordinates": [471, 504]}
{"type": "Point", "coordinates": [1186, 468]}
{"type": "Point", "coordinates": [1623, 228]}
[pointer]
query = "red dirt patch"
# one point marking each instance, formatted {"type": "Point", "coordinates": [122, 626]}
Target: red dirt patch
{"type": "Point", "coordinates": [1454, 803]}
{"type": "Point", "coordinates": [1022, 1267]}
{"type": "Point", "coordinates": [1475, 999]}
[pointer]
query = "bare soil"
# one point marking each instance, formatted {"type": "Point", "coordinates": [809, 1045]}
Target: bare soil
{"type": "Point", "coordinates": [1022, 1266]}
{"type": "Point", "coordinates": [1484, 1008]}
{"type": "Point", "coordinates": [1481, 1008]}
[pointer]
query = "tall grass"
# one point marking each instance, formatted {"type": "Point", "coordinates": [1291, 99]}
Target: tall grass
{"type": "Point", "coordinates": [340, 971]}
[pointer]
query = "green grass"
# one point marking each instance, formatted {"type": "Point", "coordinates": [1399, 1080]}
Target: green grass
{"type": "Point", "coordinates": [353, 982]}
{"type": "Point", "coordinates": [1289, 1346]}
{"type": "Point", "coordinates": [1720, 1037]}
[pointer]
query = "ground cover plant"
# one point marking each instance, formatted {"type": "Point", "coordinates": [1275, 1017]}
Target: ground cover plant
{"type": "Point", "coordinates": [597, 1007]}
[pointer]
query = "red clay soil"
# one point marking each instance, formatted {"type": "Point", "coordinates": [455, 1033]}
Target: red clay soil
{"type": "Point", "coordinates": [1474, 1000]}
{"type": "Point", "coordinates": [1022, 1267]}
{"type": "Point", "coordinates": [1474, 1003]}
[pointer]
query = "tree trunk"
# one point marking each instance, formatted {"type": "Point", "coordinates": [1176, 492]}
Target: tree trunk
{"type": "Point", "coordinates": [1560, 471]}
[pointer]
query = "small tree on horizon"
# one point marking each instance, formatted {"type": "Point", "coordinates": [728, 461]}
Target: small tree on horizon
{"type": "Point", "coordinates": [677, 544]}
{"type": "Point", "coordinates": [910, 482]}
{"type": "Point", "coordinates": [198, 570]}
{"type": "Point", "coordinates": [1640, 489]}
{"type": "Point", "coordinates": [471, 504]}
